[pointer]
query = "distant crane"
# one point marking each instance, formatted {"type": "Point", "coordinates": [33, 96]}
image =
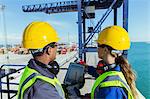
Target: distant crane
{"type": "Point", "coordinates": [2, 8]}
{"type": "Point", "coordinates": [86, 10]}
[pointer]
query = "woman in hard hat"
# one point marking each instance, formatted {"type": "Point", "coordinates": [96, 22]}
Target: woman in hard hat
{"type": "Point", "coordinates": [39, 78]}
{"type": "Point", "coordinates": [117, 80]}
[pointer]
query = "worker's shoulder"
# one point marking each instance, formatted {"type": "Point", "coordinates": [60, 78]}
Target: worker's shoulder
{"type": "Point", "coordinates": [42, 84]}
{"type": "Point", "coordinates": [40, 87]}
{"type": "Point", "coordinates": [111, 91]}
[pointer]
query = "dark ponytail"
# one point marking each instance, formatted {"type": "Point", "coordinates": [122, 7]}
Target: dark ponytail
{"type": "Point", "coordinates": [128, 73]}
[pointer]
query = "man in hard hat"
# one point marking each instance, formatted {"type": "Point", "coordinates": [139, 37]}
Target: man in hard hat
{"type": "Point", "coordinates": [39, 78]}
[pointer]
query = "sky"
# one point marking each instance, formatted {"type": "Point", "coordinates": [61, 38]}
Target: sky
{"type": "Point", "coordinates": [65, 23]}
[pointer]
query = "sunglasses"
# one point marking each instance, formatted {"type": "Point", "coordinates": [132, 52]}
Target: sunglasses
{"type": "Point", "coordinates": [53, 44]}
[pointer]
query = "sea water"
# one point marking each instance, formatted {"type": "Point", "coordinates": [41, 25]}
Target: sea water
{"type": "Point", "coordinates": [139, 58]}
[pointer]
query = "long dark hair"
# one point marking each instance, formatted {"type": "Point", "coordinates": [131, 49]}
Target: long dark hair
{"type": "Point", "coordinates": [128, 73]}
{"type": "Point", "coordinates": [126, 69]}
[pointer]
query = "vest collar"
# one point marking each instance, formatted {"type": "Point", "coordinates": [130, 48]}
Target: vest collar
{"type": "Point", "coordinates": [112, 67]}
{"type": "Point", "coordinates": [40, 67]}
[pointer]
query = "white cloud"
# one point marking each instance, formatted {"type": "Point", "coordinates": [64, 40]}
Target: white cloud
{"type": "Point", "coordinates": [63, 28]}
{"type": "Point", "coordinates": [55, 23]}
{"type": "Point", "coordinates": [11, 39]}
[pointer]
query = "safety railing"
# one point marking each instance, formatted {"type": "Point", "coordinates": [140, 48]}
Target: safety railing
{"type": "Point", "coordinates": [5, 73]}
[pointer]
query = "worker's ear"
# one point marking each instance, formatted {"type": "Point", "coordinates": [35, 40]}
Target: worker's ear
{"type": "Point", "coordinates": [48, 50]}
{"type": "Point", "coordinates": [106, 50]}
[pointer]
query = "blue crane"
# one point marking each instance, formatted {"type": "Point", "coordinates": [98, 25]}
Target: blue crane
{"type": "Point", "coordinates": [80, 7]}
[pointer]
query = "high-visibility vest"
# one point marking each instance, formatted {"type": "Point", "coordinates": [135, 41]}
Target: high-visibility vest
{"type": "Point", "coordinates": [30, 76]}
{"type": "Point", "coordinates": [111, 79]}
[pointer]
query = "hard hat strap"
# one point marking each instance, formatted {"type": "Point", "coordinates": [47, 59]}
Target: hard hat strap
{"type": "Point", "coordinates": [37, 51]}
{"type": "Point", "coordinates": [41, 50]}
{"type": "Point", "coordinates": [118, 52]}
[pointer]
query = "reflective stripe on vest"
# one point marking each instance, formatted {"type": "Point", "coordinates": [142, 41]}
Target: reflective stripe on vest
{"type": "Point", "coordinates": [30, 76]}
{"type": "Point", "coordinates": [110, 79]}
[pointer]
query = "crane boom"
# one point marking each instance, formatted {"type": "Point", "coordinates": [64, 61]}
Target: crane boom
{"type": "Point", "coordinates": [68, 6]}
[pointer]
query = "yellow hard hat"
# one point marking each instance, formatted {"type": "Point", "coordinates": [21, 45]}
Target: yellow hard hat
{"type": "Point", "coordinates": [115, 37]}
{"type": "Point", "coordinates": [38, 34]}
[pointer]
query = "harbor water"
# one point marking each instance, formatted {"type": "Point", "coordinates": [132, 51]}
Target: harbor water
{"type": "Point", "coordinates": [139, 58]}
